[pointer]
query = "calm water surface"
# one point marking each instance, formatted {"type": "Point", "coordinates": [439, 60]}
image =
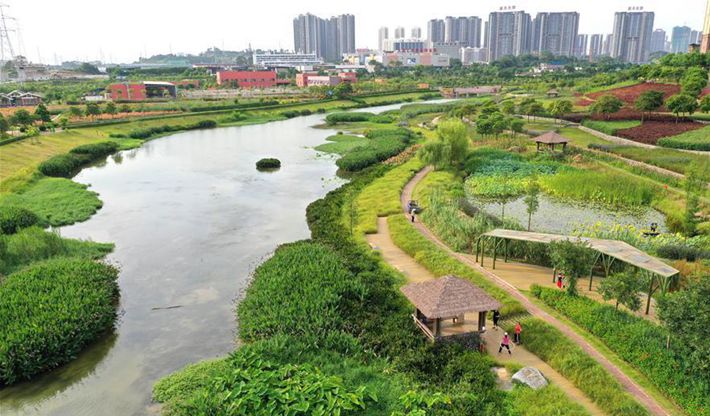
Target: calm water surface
{"type": "Point", "coordinates": [191, 218]}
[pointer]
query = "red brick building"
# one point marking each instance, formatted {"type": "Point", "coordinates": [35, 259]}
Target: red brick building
{"type": "Point", "coordinates": [127, 92]}
{"type": "Point", "coordinates": [249, 79]}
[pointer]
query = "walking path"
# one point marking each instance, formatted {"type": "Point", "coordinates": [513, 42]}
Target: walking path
{"type": "Point", "coordinates": [414, 272]}
{"type": "Point", "coordinates": [631, 386]}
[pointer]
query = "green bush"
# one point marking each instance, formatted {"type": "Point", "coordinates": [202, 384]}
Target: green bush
{"type": "Point", "coordinates": [68, 164]}
{"type": "Point", "coordinates": [151, 132]}
{"type": "Point", "coordinates": [639, 342]}
{"type": "Point", "coordinates": [268, 163]}
{"type": "Point", "coordinates": [96, 150]}
{"type": "Point", "coordinates": [349, 117]}
{"type": "Point", "coordinates": [383, 144]}
{"type": "Point", "coordinates": [50, 311]}
{"type": "Point", "coordinates": [13, 219]}
{"type": "Point", "coordinates": [682, 252]}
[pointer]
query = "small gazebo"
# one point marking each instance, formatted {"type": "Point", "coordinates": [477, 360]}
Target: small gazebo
{"type": "Point", "coordinates": [553, 93]}
{"type": "Point", "coordinates": [551, 139]}
{"type": "Point", "coordinates": [442, 305]}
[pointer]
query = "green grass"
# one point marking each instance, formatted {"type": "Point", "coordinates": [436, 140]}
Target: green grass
{"type": "Point", "coordinates": [342, 143]}
{"type": "Point", "coordinates": [581, 138]}
{"type": "Point", "coordinates": [671, 159]}
{"type": "Point", "coordinates": [610, 127]}
{"type": "Point", "coordinates": [57, 201]}
{"type": "Point", "coordinates": [691, 140]}
{"type": "Point", "coordinates": [550, 400]}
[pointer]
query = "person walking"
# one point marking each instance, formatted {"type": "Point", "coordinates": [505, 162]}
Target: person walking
{"type": "Point", "coordinates": [496, 318]}
{"type": "Point", "coordinates": [505, 343]}
{"type": "Point", "coordinates": [560, 277]}
{"type": "Point", "coordinates": [518, 330]}
{"type": "Point", "coordinates": [413, 217]}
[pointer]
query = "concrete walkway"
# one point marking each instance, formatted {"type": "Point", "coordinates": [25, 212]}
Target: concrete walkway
{"type": "Point", "coordinates": [630, 385]}
{"type": "Point", "coordinates": [414, 272]}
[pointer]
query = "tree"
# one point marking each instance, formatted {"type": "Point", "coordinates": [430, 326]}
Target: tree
{"type": "Point", "coordinates": [4, 126]}
{"type": "Point", "coordinates": [531, 107]}
{"type": "Point", "coordinates": [450, 148]}
{"type": "Point", "coordinates": [93, 109]}
{"type": "Point", "coordinates": [624, 288]}
{"type": "Point", "coordinates": [532, 200]}
{"type": "Point", "coordinates": [694, 186]}
{"type": "Point", "coordinates": [517, 125]}
{"type": "Point", "coordinates": [574, 258]}
{"type": "Point", "coordinates": [559, 108]}
{"type": "Point", "coordinates": [686, 314]}
{"type": "Point", "coordinates": [75, 111]}
{"type": "Point", "coordinates": [111, 108]}
{"type": "Point", "coordinates": [508, 107]}
{"type": "Point", "coordinates": [41, 113]}
{"type": "Point", "coordinates": [705, 104]}
{"type": "Point", "coordinates": [648, 102]}
{"type": "Point", "coordinates": [343, 90]}
{"type": "Point", "coordinates": [681, 104]}
{"type": "Point", "coordinates": [22, 118]}
{"type": "Point", "coordinates": [606, 105]}
{"type": "Point", "coordinates": [499, 123]}
{"type": "Point", "coordinates": [694, 81]}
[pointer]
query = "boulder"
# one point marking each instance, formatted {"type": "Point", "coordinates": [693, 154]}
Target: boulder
{"type": "Point", "coordinates": [531, 377]}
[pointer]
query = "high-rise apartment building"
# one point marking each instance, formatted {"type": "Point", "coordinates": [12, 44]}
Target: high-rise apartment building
{"type": "Point", "coordinates": [705, 42]}
{"type": "Point", "coordinates": [382, 35]}
{"type": "Point", "coordinates": [595, 45]}
{"type": "Point", "coordinates": [632, 35]}
{"type": "Point", "coordinates": [327, 38]}
{"type": "Point", "coordinates": [416, 33]}
{"type": "Point", "coordinates": [696, 37]}
{"type": "Point", "coordinates": [581, 45]}
{"type": "Point", "coordinates": [555, 33]}
{"type": "Point", "coordinates": [399, 32]}
{"type": "Point", "coordinates": [607, 44]}
{"type": "Point", "coordinates": [463, 30]}
{"type": "Point", "coordinates": [658, 41]}
{"type": "Point", "coordinates": [436, 31]}
{"type": "Point", "coordinates": [509, 34]}
{"type": "Point", "coordinates": [680, 39]}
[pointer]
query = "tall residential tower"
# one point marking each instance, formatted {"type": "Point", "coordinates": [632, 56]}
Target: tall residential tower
{"type": "Point", "coordinates": [631, 40]}
{"type": "Point", "coordinates": [509, 34]}
{"type": "Point", "coordinates": [555, 33]}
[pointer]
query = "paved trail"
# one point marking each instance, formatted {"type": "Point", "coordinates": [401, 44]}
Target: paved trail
{"type": "Point", "coordinates": [630, 385]}
{"type": "Point", "coordinates": [414, 272]}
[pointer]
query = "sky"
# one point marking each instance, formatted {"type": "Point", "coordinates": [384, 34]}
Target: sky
{"type": "Point", "coordinates": [122, 31]}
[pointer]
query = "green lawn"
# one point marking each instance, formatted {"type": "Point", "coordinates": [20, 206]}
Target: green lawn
{"type": "Point", "coordinates": [342, 143]}
{"type": "Point", "coordinates": [691, 140]}
{"type": "Point", "coordinates": [610, 127]}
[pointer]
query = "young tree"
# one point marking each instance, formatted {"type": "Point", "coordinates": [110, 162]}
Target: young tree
{"type": "Point", "coordinates": [4, 126]}
{"type": "Point", "coordinates": [41, 113]}
{"type": "Point", "coordinates": [694, 186]}
{"type": "Point", "coordinates": [681, 104]}
{"type": "Point", "coordinates": [508, 107]}
{"type": "Point", "coordinates": [517, 126]}
{"type": "Point", "coordinates": [686, 314]}
{"type": "Point", "coordinates": [648, 102]}
{"type": "Point", "coordinates": [22, 118]}
{"type": "Point", "coordinates": [93, 109]}
{"type": "Point", "coordinates": [694, 81]}
{"type": "Point", "coordinates": [559, 108]}
{"type": "Point", "coordinates": [111, 108]}
{"type": "Point", "coordinates": [75, 111]}
{"type": "Point", "coordinates": [705, 104]}
{"type": "Point", "coordinates": [532, 200]}
{"type": "Point", "coordinates": [574, 258]}
{"type": "Point", "coordinates": [343, 90]}
{"type": "Point", "coordinates": [450, 148]}
{"type": "Point", "coordinates": [499, 123]}
{"type": "Point", "coordinates": [624, 288]}
{"type": "Point", "coordinates": [607, 105]}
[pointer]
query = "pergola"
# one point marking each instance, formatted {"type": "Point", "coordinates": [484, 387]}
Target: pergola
{"type": "Point", "coordinates": [608, 251]}
{"type": "Point", "coordinates": [448, 298]}
{"type": "Point", "coordinates": [551, 139]}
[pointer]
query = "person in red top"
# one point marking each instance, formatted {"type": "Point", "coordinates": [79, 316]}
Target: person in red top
{"type": "Point", "coordinates": [505, 343]}
{"type": "Point", "coordinates": [518, 330]}
{"type": "Point", "coordinates": [560, 278]}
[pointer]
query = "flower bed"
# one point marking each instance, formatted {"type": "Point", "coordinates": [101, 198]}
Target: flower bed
{"type": "Point", "coordinates": [651, 131]}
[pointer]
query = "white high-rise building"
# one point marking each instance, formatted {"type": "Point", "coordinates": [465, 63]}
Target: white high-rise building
{"type": "Point", "coordinates": [509, 34]}
{"type": "Point", "coordinates": [399, 33]}
{"type": "Point", "coordinates": [436, 29]}
{"type": "Point", "coordinates": [555, 33]}
{"type": "Point", "coordinates": [596, 45]}
{"type": "Point", "coordinates": [632, 35]}
{"type": "Point", "coordinates": [658, 41]}
{"type": "Point", "coordinates": [416, 33]}
{"type": "Point", "coordinates": [382, 36]}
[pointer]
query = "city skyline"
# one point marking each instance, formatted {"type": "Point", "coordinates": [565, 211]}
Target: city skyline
{"type": "Point", "coordinates": [86, 35]}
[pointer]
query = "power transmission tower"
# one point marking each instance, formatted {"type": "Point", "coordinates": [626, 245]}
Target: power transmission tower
{"type": "Point", "coordinates": [7, 51]}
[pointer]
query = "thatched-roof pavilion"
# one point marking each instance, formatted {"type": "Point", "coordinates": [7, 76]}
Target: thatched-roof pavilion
{"type": "Point", "coordinates": [551, 139]}
{"type": "Point", "coordinates": [449, 297]}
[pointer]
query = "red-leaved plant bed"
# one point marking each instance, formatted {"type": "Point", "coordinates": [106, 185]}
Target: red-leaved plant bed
{"type": "Point", "coordinates": [630, 94]}
{"type": "Point", "coordinates": [650, 131]}
{"type": "Point", "coordinates": [624, 114]}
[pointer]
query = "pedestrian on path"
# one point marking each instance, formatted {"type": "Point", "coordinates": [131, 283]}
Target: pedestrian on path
{"type": "Point", "coordinates": [505, 343]}
{"type": "Point", "coordinates": [496, 318]}
{"type": "Point", "coordinates": [560, 278]}
{"type": "Point", "coordinates": [518, 330]}
{"type": "Point", "coordinates": [413, 217]}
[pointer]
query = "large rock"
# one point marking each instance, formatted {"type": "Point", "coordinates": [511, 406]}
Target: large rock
{"type": "Point", "coordinates": [531, 377]}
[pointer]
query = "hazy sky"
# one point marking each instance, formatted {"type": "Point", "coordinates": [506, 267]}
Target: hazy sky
{"type": "Point", "coordinates": [122, 31]}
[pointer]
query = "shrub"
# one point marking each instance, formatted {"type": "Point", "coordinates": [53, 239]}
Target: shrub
{"type": "Point", "coordinates": [349, 117]}
{"type": "Point", "coordinates": [13, 219]}
{"type": "Point", "coordinates": [682, 252]}
{"type": "Point", "coordinates": [96, 150]}
{"type": "Point", "coordinates": [383, 144]}
{"type": "Point", "coordinates": [50, 311]}
{"type": "Point", "coordinates": [68, 164]}
{"type": "Point", "coordinates": [268, 163]}
{"type": "Point", "coordinates": [638, 342]}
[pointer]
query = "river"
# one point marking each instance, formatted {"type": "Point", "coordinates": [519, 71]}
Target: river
{"type": "Point", "coordinates": [191, 218]}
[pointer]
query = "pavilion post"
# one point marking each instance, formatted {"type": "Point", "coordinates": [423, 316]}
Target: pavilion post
{"type": "Point", "coordinates": [505, 250]}
{"type": "Point", "coordinates": [483, 249]}
{"type": "Point", "coordinates": [554, 274]}
{"type": "Point", "coordinates": [652, 280]}
{"type": "Point", "coordinates": [478, 244]}
{"type": "Point", "coordinates": [481, 321]}
{"type": "Point", "coordinates": [437, 327]}
{"type": "Point", "coordinates": [495, 251]}
{"type": "Point", "coordinates": [591, 269]}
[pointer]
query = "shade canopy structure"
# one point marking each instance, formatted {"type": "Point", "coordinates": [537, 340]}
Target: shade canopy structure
{"type": "Point", "coordinates": [551, 139]}
{"type": "Point", "coordinates": [660, 275]}
{"type": "Point", "coordinates": [449, 297]}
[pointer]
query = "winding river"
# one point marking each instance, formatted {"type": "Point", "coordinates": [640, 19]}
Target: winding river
{"type": "Point", "coordinates": [191, 218]}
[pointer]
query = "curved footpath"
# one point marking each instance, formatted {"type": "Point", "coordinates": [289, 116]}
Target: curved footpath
{"type": "Point", "coordinates": [630, 385]}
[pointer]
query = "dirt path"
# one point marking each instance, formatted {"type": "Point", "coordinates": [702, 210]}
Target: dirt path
{"type": "Point", "coordinates": [631, 386]}
{"type": "Point", "coordinates": [414, 272]}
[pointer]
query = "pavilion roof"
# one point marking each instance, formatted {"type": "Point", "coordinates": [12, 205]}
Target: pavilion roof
{"type": "Point", "coordinates": [620, 250]}
{"type": "Point", "coordinates": [447, 297]}
{"type": "Point", "coordinates": [551, 138]}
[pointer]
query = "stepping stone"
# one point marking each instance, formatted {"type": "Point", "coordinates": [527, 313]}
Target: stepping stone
{"type": "Point", "coordinates": [531, 377]}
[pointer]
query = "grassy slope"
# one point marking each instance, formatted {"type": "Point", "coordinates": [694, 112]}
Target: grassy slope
{"type": "Point", "coordinates": [341, 143]}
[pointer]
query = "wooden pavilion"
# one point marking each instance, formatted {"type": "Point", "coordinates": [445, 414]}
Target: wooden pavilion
{"type": "Point", "coordinates": [553, 93]}
{"type": "Point", "coordinates": [442, 304]}
{"type": "Point", "coordinates": [551, 139]}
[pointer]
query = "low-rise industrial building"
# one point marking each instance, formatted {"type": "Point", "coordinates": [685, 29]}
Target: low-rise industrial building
{"type": "Point", "coordinates": [142, 91]}
{"type": "Point", "coordinates": [427, 58]}
{"type": "Point", "coordinates": [286, 60]}
{"type": "Point", "coordinates": [19, 98]}
{"type": "Point", "coordinates": [308, 79]}
{"type": "Point", "coordinates": [249, 79]}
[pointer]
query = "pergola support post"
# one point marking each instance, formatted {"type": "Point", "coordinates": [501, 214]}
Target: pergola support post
{"type": "Point", "coordinates": [591, 269]}
{"type": "Point", "coordinates": [483, 249]}
{"type": "Point", "coordinates": [478, 244]}
{"type": "Point", "coordinates": [505, 250]}
{"type": "Point", "coordinates": [495, 251]}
